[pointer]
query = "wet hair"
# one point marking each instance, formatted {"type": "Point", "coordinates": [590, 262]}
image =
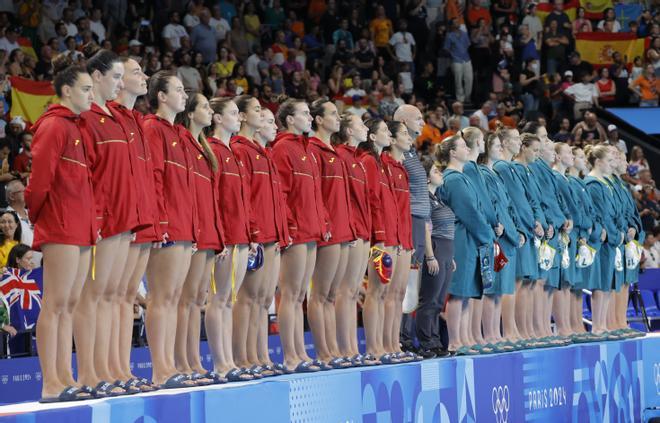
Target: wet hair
{"type": "Point", "coordinates": [471, 135]}
{"type": "Point", "coordinates": [531, 127]}
{"type": "Point", "coordinates": [595, 152]}
{"type": "Point", "coordinates": [443, 149]}
{"type": "Point", "coordinates": [490, 139]}
{"type": "Point", "coordinates": [288, 108]}
{"type": "Point", "coordinates": [17, 253]}
{"type": "Point", "coordinates": [527, 139]}
{"type": "Point", "coordinates": [102, 61]}
{"type": "Point", "coordinates": [342, 137]}
{"type": "Point", "coordinates": [317, 108]}
{"type": "Point", "coordinates": [158, 82]}
{"type": "Point", "coordinates": [65, 73]}
{"type": "Point", "coordinates": [368, 145]}
{"type": "Point", "coordinates": [18, 233]}
{"type": "Point", "coordinates": [183, 119]}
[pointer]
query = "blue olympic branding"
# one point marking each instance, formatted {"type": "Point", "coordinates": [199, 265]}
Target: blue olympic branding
{"type": "Point", "coordinates": [501, 402]}
{"type": "Point", "coordinates": [656, 377]}
{"type": "Point", "coordinates": [540, 399]}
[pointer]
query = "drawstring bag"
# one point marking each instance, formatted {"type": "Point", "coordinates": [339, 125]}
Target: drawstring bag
{"type": "Point", "coordinates": [618, 260]}
{"type": "Point", "coordinates": [256, 259]}
{"type": "Point", "coordinates": [411, 299]}
{"type": "Point", "coordinates": [565, 256]}
{"type": "Point", "coordinates": [383, 264]}
{"type": "Point", "coordinates": [633, 254]}
{"type": "Point", "coordinates": [546, 256]}
{"type": "Point", "coordinates": [585, 256]}
{"type": "Point", "coordinates": [486, 266]}
{"type": "Point", "coordinates": [500, 258]}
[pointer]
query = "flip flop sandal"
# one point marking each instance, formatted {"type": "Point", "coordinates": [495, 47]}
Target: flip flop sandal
{"type": "Point", "coordinates": [130, 390]}
{"type": "Point", "coordinates": [200, 379]}
{"type": "Point", "coordinates": [339, 363]}
{"type": "Point", "coordinates": [370, 360]}
{"type": "Point", "coordinates": [267, 370]}
{"type": "Point", "coordinates": [215, 377]}
{"type": "Point", "coordinates": [70, 393]}
{"type": "Point", "coordinates": [238, 375]}
{"type": "Point", "coordinates": [105, 389]}
{"type": "Point", "coordinates": [137, 383]}
{"type": "Point", "coordinates": [322, 365]}
{"type": "Point", "coordinates": [389, 359]}
{"type": "Point", "coordinates": [282, 369]}
{"type": "Point", "coordinates": [306, 367]}
{"type": "Point", "coordinates": [177, 381]}
{"type": "Point", "coordinates": [357, 360]}
{"type": "Point", "coordinates": [255, 371]}
{"type": "Point", "coordinates": [466, 351]}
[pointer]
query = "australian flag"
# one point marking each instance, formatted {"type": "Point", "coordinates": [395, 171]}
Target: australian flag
{"type": "Point", "coordinates": [21, 290]}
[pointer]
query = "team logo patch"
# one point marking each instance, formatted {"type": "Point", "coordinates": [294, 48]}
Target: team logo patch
{"type": "Point", "coordinates": [257, 157]}
{"type": "Point", "coordinates": [199, 157]}
{"type": "Point", "coordinates": [332, 160]}
{"type": "Point", "coordinates": [174, 143]}
{"type": "Point", "coordinates": [303, 158]}
{"type": "Point", "coordinates": [102, 120]}
{"type": "Point", "coordinates": [354, 165]}
{"type": "Point", "coordinates": [227, 160]}
{"type": "Point", "coordinates": [76, 142]}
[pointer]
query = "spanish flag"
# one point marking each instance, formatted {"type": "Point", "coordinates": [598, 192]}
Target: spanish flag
{"type": "Point", "coordinates": [593, 9]}
{"type": "Point", "coordinates": [30, 99]}
{"type": "Point", "coordinates": [26, 46]}
{"type": "Point", "coordinates": [597, 47]}
{"type": "Point", "coordinates": [544, 9]}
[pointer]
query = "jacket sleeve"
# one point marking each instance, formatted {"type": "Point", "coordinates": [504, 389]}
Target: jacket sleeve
{"type": "Point", "coordinates": [285, 171]}
{"type": "Point", "coordinates": [49, 142]}
{"type": "Point", "coordinates": [375, 201]}
{"type": "Point", "coordinates": [458, 196]}
{"type": "Point", "coordinates": [157, 148]}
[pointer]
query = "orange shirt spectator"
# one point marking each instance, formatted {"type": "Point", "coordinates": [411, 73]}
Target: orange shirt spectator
{"type": "Point", "coordinates": [380, 28]}
{"type": "Point", "coordinates": [476, 12]}
{"type": "Point", "coordinates": [648, 84]}
{"type": "Point", "coordinates": [298, 28]}
{"type": "Point", "coordinates": [316, 9]}
{"type": "Point", "coordinates": [507, 121]}
{"type": "Point", "coordinates": [431, 133]}
{"type": "Point", "coordinates": [455, 11]}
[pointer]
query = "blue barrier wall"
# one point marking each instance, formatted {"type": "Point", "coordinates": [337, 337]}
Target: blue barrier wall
{"type": "Point", "coordinates": [612, 382]}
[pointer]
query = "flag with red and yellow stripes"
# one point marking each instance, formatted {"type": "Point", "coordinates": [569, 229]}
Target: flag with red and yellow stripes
{"type": "Point", "coordinates": [597, 47]}
{"type": "Point", "coordinates": [29, 98]}
{"type": "Point", "coordinates": [544, 9]}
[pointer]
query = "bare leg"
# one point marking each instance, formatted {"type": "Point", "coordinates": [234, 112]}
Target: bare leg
{"type": "Point", "coordinates": [327, 260]}
{"type": "Point", "coordinates": [136, 265]}
{"type": "Point", "coordinates": [475, 320]}
{"type": "Point", "coordinates": [522, 310]}
{"type": "Point", "coordinates": [271, 272]}
{"type": "Point", "coordinates": [299, 333]}
{"type": "Point", "coordinates": [166, 271]}
{"type": "Point", "coordinates": [622, 306]}
{"type": "Point", "coordinates": [509, 327]}
{"type": "Point", "coordinates": [394, 295]}
{"type": "Point", "coordinates": [245, 316]}
{"type": "Point", "coordinates": [330, 305]}
{"type": "Point", "coordinates": [539, 308]}
{"type": "Point", "coordinates": [194, 333]}
{"type": "Point", "coordinates": [347, 296]}
{"type": "Point", "coordinates": [65, 269]}
{"type": "Point", "coordinates": [488, 317]}
{"type": "Point", "coordinates": [373, 312]}
{"type": "Point", "coordinates": [187, 306]}
{"type": "Point", "coordinates": [457, 316]}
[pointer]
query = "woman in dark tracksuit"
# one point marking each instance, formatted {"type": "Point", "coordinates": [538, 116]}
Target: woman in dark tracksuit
{"type": "Point", "coordinates": [437, 269]}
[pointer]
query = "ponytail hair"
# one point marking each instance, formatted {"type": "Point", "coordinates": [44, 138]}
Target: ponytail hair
{"type": "Point", "coordinates": [183, 119]}
{"type": "Point", "coordinates": [317, 109]}
{"type": "Point", "coordinates": [341, 136]}
{"type": "Point", "coordinates": [368, 145]}
{"type": "Point", "coordinates": [65, 73]}
{"type": "Point", "coordinates": [471, 135]}
{"type": "Point", "coordinates": [490, 138]}
{"type": "Point", "coordinates": [527, 139]}
{"type": "Point", "coordinates": [102, 61]}
{"type": "Point", "coordinates": [443, 149]}
{"type": "Point", "coordinates": [595, 152]}
{"type": "Point", "coordinates": [288, 108]}
{"type": "Point", "coordinates": [158, 82]}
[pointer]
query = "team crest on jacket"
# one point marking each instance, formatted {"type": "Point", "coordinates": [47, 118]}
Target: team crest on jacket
{"type": "Point", "coordinates": [102, 120]}
{"type": "Point", "coordinates": [303, 158]}
{"type": "Point", "coordinates": [332, 160]}
{"type": "Point", "coordinates": [354, 165]}
{"type": "Point", "coordinates": [199, 157]}
{"type": "Point", "coordinates": [257, 157]}
{"type": "Point", "coordinates": [227, 159]}
{"type": "Point", "coordinates": [174, 143]}
{"type": "Point", "coordinates": [76, 142]}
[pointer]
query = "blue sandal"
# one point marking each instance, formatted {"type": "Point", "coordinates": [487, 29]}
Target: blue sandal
{"type": "Point", "coordinates": [70, 393]}
{"type": "Point", "coordinates": [238, 375]}
{"type": "Point", "coordinates": [282, 369]}
{"type": "Point", "coordinates": [322, 365]}
{"type": "Point", "coordinates": [177, 381]}
{"type": "Point", "coordinates": [306, 367]}
{"type": "Point", "coordinates": [215, 377]}
{"type": "Point", "coordinates": [128, 389]}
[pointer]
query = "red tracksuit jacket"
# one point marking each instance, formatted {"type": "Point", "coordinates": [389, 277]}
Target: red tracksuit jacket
{"type": "Point", "coordinates": [384, 221]}
{"type": "Point", "coordinates": [335, 190]}
{"type": "Point", "coordinates": [359, 191]}
{"type": "Point", "coordinates": [267, 208]}
{"type": "Point", "coordinates": [60, 197]}
{"type": "Point", "coordinates": [138, 145]}
{"type": "Point", "coordinates": [113, 174]}
{"type": "Point", "coordinates": [173, 178]}
{"type": "Point", "coordinates": [233, 195]}
{"type": "Point", "coordinates": [401, 188]}
{"type": "Point", "coordinates": [210, 234]}
{"type": "Point", "coordinates": [301, 186]}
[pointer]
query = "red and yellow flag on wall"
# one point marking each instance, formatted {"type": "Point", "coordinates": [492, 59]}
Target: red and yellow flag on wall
{"type": "Point", "coordinates": [597, 47]}
{"type": "Point", "coordinates": [593, 9]}
{"type": "Point", "coordinates": [30, 99]}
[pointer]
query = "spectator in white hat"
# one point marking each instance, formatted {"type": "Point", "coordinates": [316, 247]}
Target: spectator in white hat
{"type": "Point", "coordinates": [613, 138]}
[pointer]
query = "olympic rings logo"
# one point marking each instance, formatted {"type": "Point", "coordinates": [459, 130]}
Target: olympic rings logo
{"type": "Point", "coordinates": [501, 402]}
{"type": "Point", "coordinates": [656, 377]}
